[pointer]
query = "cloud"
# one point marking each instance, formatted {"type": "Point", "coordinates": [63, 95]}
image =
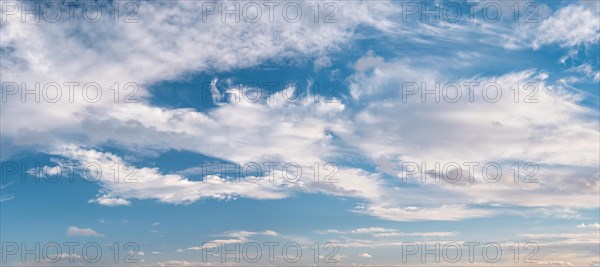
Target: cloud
{"type": "Point", "coordinates": [217, 242]}
{"type": "Point", "coordinates": [149, 183]}
{"type": "Point", "coordinates": [372, 230]}
{"type": "Point", "coordinates": [387, 232]}
{"type": "Point", "coordinates": [365, 255]}
{"type": "Point", "coordinates": [244, 235]}
{"type": "Point", "coordinates": [382, 82]}
{"type": "Point", "coordinates": [329, 231]}
{"type": "Point", "coordinates": [407, 214]}
{"type": "Point", "coordinates": [587, 70]}
{"type": "Point", "coordinates": [45, 171]}
{"type": "Point", "coordinates": [416, 234]}
{"type": "Point", "coordinates": [270, 233]}
{"type": "Point", "coordinates": [183, 263]}
{"type": "Point", "coordinates": [76, 231]}
{"type": "Point", "coordinates": [110, 202]}
{"type": "Point", "coordinates": [308, 124]}
{"type": "Point", "coordinates": [170, 49]}
{"type": "Point", "coordinates": [236, 237]}
{"type": "Point", "coordinates": [571, 25]}
{"type": "Point", "coordinates": [465, 132]}
{"type": "Point", "coordinates": [4, 197]}
{"type": "Point", "coordinates": [590, 225]}
{"type": "Point", "coordinates": [556, 131]}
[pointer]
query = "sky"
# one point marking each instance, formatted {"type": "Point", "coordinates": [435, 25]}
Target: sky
{"type": "Point", "coordinates": [297, 133]}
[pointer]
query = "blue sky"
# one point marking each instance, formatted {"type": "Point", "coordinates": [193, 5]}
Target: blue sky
{"type": "Point", "coordinates": [197, 91]}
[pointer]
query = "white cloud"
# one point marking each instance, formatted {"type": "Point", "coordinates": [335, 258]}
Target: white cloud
{"type": "Point", "coordinates": [235, 237]}
{"type": "Point", "coordinates": [217, 242]}
{"type": "Point", "coordinates": [45, 171]}
{"type": "Point", "coordinates": [270, 233]}
{"type": "Point", "coordinates": [445, 131]}
{"type": "Point", "coordinates": [168, 41]}
{"type": "Point", "coordinates": [416, 234]}
{"type": "Point", "coordinates": [571, 25]}
{"type": "Point", "coordinates": [590, 225]}
{"type": "Point", "coordinates": [4, 197]}
{"type": "Point", "coordinates": [387, 232]}
{"type": "Point", "coordinates": [441, 213]}
{"type": "Point", "coordinates": [372, 230]}
{"type": "Point", "coordinates": [76, 231]}
{"type": "Point", "coordinates": [182, 263]}
{"type": "Point", "coordinates": [110, 201]}
{"type": "Point", "coordinates": [365, 255]}
{"type": "Point", "coordinates": [264, 127]}
{"type": "Point", "coordinates": [149, 183]}
{"type": "Point", "coordinates": [555, 131]}
{"type": "Point", "coordinates": [329, 231]}
{"type": "Point", "coordinates": [587, 70]}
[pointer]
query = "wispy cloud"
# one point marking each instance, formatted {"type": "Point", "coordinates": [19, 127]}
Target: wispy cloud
{"type": "Point", "coordinates": [76, 231]}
